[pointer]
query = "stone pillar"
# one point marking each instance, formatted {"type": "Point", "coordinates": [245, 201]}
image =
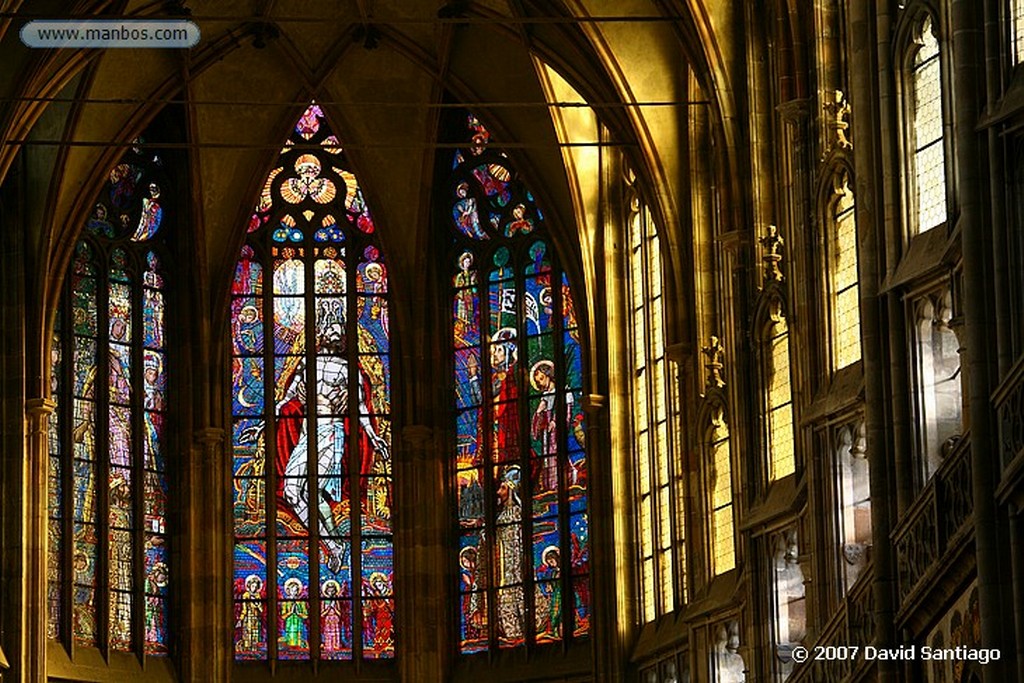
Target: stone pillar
{"type": "Point", "coordinates": [870, 216]}
{"type": "Point", "coordinates": [206, 611]}
{"type": "Point", "coordinates": [34, 481]}
{"type": "Point", "coordinates": [976, 245]}
{"type": "Point", "coordinates": [421, 557]}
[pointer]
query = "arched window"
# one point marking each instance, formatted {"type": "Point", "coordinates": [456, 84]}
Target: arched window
{"type": "Point", "coordinates": [108, 557]}
{"type": "Point", "coordinates": [519, 461]}
{"type": "Point", "coordinates": [778, 397]}
{"type": "Point", "coordinates": [841, 261]}
{"type": "Point", "coordinates": [312, 469]}
{"type": "Point", "coordinates": [721, 535]}
{"type": "Point", "coordinates": [655, 421]}
{"type": "Point", "coordinates": [925, 130]}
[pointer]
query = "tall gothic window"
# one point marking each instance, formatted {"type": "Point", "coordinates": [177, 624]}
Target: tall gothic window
{"type": "Point", "coordinates": [108, 558]}
{"type": "Point", "coordinates": [654, 421]}
{"type": "Point", "coordinates": [841, 243]}
{"type": "Point", "coordinates": [722, 535]}
{"type": "Point", "coordinates": [928, 193]}
{"type": "Point", "coordinates": [778, 397]}
{"type": "Point", "coordinates": [519, 460]}
{"type": "Point", "coordinates": [311, 405]}
{"type": "Point", "coordinates": [939, 395]}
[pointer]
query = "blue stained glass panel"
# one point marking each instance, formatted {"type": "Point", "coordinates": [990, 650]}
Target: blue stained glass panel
{"type": "Point", "coordinates": [247, 386]}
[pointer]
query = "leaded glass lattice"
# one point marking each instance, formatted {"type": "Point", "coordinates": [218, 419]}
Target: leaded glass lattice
{"type": "Point", "coordinates": [722, 536]}
{"type": "Point", "coordinates": [927, 130]}
{"type": "Point", "coordinates": [781, 454]}
{"type": "Point", "coordinates": [661, 547]}
{"type": "Point", "coordinates": [845, 289]}
{"type": "Point", "coordinates": [108, 561]}
{"type": "Point", "coordinates": [309, 329]}
{"type": "Point", "coordinates": [520, 459]}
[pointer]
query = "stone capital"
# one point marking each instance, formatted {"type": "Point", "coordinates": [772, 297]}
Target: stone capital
{"type": "Point", "coordinates": [39, 407]}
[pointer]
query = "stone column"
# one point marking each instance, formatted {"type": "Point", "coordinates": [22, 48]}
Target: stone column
{"type": "Point", "coordinates": [421, 557]}
{"type": "Point", "coordinates": [990, 534]}
{"type": "Point", "coordinates": [870, 216]}
{"type": "Point", "coordinates": [206, 611]}
{"type": "Point", "coordinates": [31, 657]}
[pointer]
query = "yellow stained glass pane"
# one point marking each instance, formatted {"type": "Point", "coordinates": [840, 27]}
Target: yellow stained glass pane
{"type": "Point", "coordinates": [665, 571]}
{"type": "Point", "coordinates": [664, 519]}
{"type": "Point", "coordinates": [783, 460]}
{"type": "Point", "coordinates": [724, 557]}
{"type": "Point", "coordinates": [848, 327]}
{"type": "Point", "coordinates": [643, 462]}
{"type": "Point", "coordinates": [722, 484]}
{"type": "Point", "coordinates": [648, 574]}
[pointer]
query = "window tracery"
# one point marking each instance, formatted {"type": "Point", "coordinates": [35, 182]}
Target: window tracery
{"type": "Point", "coordinates": [108, 575]}
{"type": "Point", "coordinates": [520, 469]}
{"type": "Point", "coordinates": [313, 568]}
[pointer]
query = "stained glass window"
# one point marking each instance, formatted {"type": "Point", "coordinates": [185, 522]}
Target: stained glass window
{"type": "Point", "coordinates": [310, 328]}
{"type": "Point", "coordinates": [781, 453]}
{"type": "Point", "coordinates": [655, 415]}
{"type": "Point", "coordinates": [927, 130]}
{"type": "Point", "coordinates": [845, 289]}
{"type": "Point", "coordinates": [722, 532]}
{"type": "Point", "coordinates": [520, 469]}
{"type": "Point", "coordinates": [108, 558]}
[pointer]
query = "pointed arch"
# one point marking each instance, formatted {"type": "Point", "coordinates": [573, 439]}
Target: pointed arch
{"type": "Point", "coordinates": [519, 459]}
{"type": "Point", "coordinates": [108, 570]}
{"type": "Point", "coordinates": [313, 550]}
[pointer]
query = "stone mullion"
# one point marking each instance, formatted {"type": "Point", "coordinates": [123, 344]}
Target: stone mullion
{"type": "Point", "coordinates": [561, 456]}
{"type": "Point", "coordinates": [313, 464]}
{"type": "Point", "coordinates": [526, 521]}
{"type": "Point", "coordinates": [353, 442]}
{"type": "Point", "coordinates": [67, 471]}
{"type": "Point", "coordinates": [137, 469]}
{"type": "Point", "coordinates": [34, 540]}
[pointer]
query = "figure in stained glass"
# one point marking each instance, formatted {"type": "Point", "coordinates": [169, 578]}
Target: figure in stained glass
{"type": "Point", "coordinates": [295, 615]}
{"type": "Point", "coordinates": [509, 556]}
{"type": "Point", "coordinates": [152, 213]}
{"type": "Point", "coordinates": [504, 355]}
{"type": "Point", "coordinates": [550, 594]}
{"type": "Point", "coordinates": [331, 399]}
{"type": "Point", "coordinates": [250, 616]}
{"type": "Point", "coordinates": [294, 422]}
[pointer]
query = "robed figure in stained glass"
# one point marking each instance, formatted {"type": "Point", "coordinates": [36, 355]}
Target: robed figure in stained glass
{"type": "Point", "coordinates": [509, 556]}
{"type": "Point", "coordinates": [331, 399]}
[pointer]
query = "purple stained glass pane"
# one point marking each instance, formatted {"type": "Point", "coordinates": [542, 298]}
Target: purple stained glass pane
{"type": "Point", "coordinates": [335, 625]}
